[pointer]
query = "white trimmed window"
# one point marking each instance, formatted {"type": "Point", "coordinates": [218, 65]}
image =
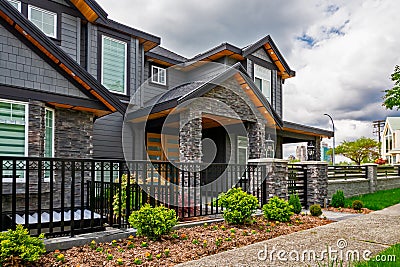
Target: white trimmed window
{"type": "Point", "coordinates": [16, 4]}
{"type": "Point", "coordinates": [262, 78]}
{"type": "Point", "coordinates": [13, 134]}
{"type": "Point", "coordinates": [158, 75]}
{"type": "Point", "coordinates": [49, 134]}
{"type": "Point", "coordinates": [114, 65]}
{"type": "Point", "coordinates": [242, 156]}
{"type": "Point", "coordinates": [44, 20]}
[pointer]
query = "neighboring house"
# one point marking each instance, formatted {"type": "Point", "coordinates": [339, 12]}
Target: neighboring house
{"type": "Point", "coordinates": [67, 74]}
{"type": "Point", "coordinates": [390, 149]}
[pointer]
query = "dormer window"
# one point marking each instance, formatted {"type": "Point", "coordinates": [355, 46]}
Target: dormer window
{"type": "Point", "coordinates": [16, 4]}
{"type": "Point", "coordinates": [262, 78]}
{"type": "Point", "coordinates": [158, 75]}
{"type": "Point", "coordinates": [45, 20]}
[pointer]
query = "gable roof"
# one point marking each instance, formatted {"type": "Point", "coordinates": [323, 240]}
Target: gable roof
{"type": "Point", "coordinates": [148, 41]}
{"type": "Point", "coordinates": [187, 91]}
{"type": "Point", "coordinates": [164, 55]}
{"type": "Point", "coordinates": [272, 50]}
{"type": "Point", "coordinates": [226, 49]}
{"type": "Point", "coordinates": [37, 40]}
{"type": "Point", "coordinates": [393, 122]}
{"type": "Point", "coordinates": [94, 13]}
{"type": "Point", "coordinates": [91, 10]}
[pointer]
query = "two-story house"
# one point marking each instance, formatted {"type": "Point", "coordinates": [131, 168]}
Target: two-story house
{"type": "Point", "coordinates": [75, 84]}
{"type": "Point", "coordinates": [67, 74]}
{"type": "Point", "coordinates": [390, 148]}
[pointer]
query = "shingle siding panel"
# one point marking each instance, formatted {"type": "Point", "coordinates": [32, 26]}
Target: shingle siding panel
{"type": "Point", "coordinates": [107, 136]}
{"type": "Point", "coordinates": [92, 50]}
{"type": "Point", "coordinates": [70, 35]}
{"type": "Point", "coordinates": [30, 70]}
{"type": "Point", "coordinates": [260, 53]}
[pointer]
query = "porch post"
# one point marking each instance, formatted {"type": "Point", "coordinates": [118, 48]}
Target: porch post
{"type": "Point", "coordinates": [317, 181]}
{"type": "Point", "coordinates": [190, 155]}
{"type": "Point", "coordinates": [256, 134]}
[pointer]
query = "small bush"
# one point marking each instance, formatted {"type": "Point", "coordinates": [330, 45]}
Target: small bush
{"type": "Point", "coordinates": [278, 210]}
{"type": "Point", "coordinates": [338, 199]}
{"type": "Point", "coordinates": [153, 222]}
{"type": "Point", "coordinates": [315, 210]}
{"type": "Point", "coordinates": [357, 205]}
{"type": "Point", "coordinates": [294, 200]}
{"type": "Point", "coordinates": [239, 205]}
{"type": "Point", "coordinates": [20, 244]}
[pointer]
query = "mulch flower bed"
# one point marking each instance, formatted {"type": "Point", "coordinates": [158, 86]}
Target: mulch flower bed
{"type": "Point", "coordinates": [179, 246]}
{"type": "Point", "coordinates": [349, 210]}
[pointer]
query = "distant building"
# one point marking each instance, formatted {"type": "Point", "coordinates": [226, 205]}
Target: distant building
{"type": "Point", "coordinates": [301, 153]}
{"type": "Point", "coordinates": [390, 149]}
{"type": "Point", "coordinates": [324, 153]}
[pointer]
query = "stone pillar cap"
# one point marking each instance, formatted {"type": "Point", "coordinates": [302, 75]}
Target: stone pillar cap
{"type": "Point", "coordinates": [313, 162]}
{"type": "Point", "coordinates": [268, 160]}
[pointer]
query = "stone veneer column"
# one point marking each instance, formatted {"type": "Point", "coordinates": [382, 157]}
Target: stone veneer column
{"type": "Point", "coordinates": [317, 181]}
{"type": "Point", "coordinates": [36, 129]}
{"type": "Point", "coordinates": [275, 177]}
{"type": "Point", "coordinates": [190, 151]}
{"type": "Point", "coordinates": [372, 176]}
{"type": "Point", "coordinates": [318, 148]}
{"type": "Point", "coordinates": [256, 134]}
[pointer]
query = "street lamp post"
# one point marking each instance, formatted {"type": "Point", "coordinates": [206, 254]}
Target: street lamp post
{"type": "Point", "coordinates": [333, 148]}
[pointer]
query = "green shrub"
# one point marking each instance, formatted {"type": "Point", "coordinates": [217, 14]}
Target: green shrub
{"type": "Point", "coordinates": [294, 200]}
{"type": "Point", "coordinates": [315, 210]}
{"type": "Point", "coordinates": [239, 205]}
{"type": "Point", "coordinates": [153, 222]}
{"type": "Point", "coordinates": [20, 244]}
{"type": "Point", "coordinates": [277, 209]}
{"type": "Point", "coordinates": [338, 199]}
{"type": "Point", "coordinates": [124, 185]}
{"type": "Point", "coordinates": [357, 205]}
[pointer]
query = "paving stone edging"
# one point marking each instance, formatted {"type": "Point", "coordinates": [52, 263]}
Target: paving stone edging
{"type": "Point", "coordinates": [67, 242]}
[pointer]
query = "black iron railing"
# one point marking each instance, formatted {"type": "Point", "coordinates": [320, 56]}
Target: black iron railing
{"type": "Point", "coordinates": [68, 196]}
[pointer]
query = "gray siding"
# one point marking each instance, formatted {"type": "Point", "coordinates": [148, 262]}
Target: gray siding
{"type": "Point", "coordinates": [250, 68]}
{"type": "Point", "coordinates": [20, 66]}
{"type": "Point", "coordinates": [63, 2]}
{"type": "Point", "coordinates": [107, 136]}
{"type": "Point", "coordinates": [133, 68]}
{"type": "Point", "coordinates": [260, 53]}
{"type": "Point", "coordinates": [151, 90]}
{"type": "Point", "coordinates": [92, 50]}
{"type": "Point", "coordinates": [70, 35]}
{"type": "Point", "coordinates": [278, 93]}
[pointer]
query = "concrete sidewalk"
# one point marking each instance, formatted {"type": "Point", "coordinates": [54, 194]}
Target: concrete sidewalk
{"type": "Point", "coordinates": [366, 234]}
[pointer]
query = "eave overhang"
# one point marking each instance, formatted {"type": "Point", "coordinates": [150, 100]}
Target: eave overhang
{"type": "Point", "coordinates": [272, 50]}
{"type": "Point", "coordinates": [62, 62]}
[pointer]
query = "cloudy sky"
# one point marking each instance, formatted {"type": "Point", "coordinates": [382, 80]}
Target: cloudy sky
{"type": "Point", "coordinates": [343, 51]}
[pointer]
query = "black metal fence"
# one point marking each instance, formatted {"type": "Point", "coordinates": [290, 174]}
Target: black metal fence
{"type": "Point", "coordinates": [347, 172]}
{"type": "Point", "coordinates": [69, 196]}
{"type": "Point", "coordinates": [297, 182]}
{"type": "Point", "coordinates": [386, 171]}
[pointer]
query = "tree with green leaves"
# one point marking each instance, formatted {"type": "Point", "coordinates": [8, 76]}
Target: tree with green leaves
{"type": "Point", "coordinates": [361, 150]}
{"type": "Point", "coordinates": [392, 96]}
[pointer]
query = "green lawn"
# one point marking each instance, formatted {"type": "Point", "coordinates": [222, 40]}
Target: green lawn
{"type": "Point", "coordinates": [378, 200]}
{"type": "Point", "coordinates": [384, 259]}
